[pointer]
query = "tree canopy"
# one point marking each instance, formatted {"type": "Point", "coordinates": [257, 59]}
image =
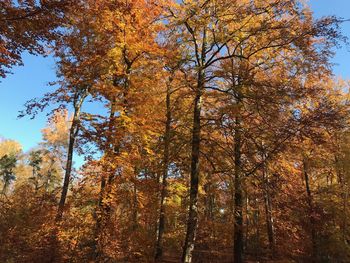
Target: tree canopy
{"type": "Point", "coordinates": [225, 135]}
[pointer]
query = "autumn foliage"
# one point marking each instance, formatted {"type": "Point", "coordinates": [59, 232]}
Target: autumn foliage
{"type": "Point", "coordinates": [211, 131]}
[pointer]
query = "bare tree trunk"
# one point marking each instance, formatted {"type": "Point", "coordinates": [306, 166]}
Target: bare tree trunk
{"type": "Point", "coordinates": [269, 223]}
{"type": "Point", "coordinates": [73, 132]}
{"type": "Point", "coordinates": [134, 206]}
{"type": "Point", "coordinates": [340, 170]}
{"type": "Point", "coordinates": [72, 136]}
{"type": "Point", "coordinates": [238, 235]}
{"type": "Point", "coordinates": [268, 210]}
{"type": "Point", "coordinates": [209, 199]}
{"type": "Point", "coordinates": [194, 182]}
{"type": "Point", "coordinates": [257, 228]}
{"type": "Point", "coordinates": [345, 217]}
{"type": "Point", "coordinates": [196, 138]}
{"type": "Point", "coordinates": [247, 221]}
{"type": "Point", "coordinates": [163, 192]}
{"type": "Point", "coordinates": [311, 211]}
{"type": "Point", "coordinates": [238, 198]}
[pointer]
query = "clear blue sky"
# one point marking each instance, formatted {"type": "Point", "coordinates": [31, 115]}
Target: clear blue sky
{"type": "Point", "coordinates": [25, 83]}
{"type": "Point", "coordinates": [340, 8]}
{"type": "Point", "coordinates": [31, 81]}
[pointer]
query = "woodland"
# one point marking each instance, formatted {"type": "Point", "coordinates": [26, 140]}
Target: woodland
{"type": "Point", "coordinates": [221, 134]}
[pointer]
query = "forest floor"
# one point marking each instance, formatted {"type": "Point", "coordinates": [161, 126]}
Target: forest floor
{"type": "Point", "coordinates": [223, 258]}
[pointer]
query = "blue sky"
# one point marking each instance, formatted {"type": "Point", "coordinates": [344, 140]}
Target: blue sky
{"type": "Point", "coordinates": [340, 8]}
{"type": "Point", "coordinates": [31, 80]}
{"type": "Point", "coordinates": [26, 82]}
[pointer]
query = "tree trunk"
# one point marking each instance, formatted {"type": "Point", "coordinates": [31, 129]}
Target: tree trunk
{"type": "Point", "coordinates": [238, 210]}
{"type": "Point", "coordinates": [247, 221]}
{"type": "Point", "coordinates": [209, 199]}
{"type": "Point", "coordinates": [73, 132]}
{"type": "Point", "coordinates": [194, 181]}
{"type": "Point", "coordinates": [196, 138]}
{"type": "Point", "coordinates": [340, 171]}
{"type": "Point", "coordinates": [269, 223]}
{"type": "Point", "coordinates": [134, 206]}
{"type": "Point", "coordinates": [268, 210]}
{"type": "Point", "coordinates": [163, 192]}
{"type": "Point", "coordinates": [257, 229]}
{"type": "Point", "coordinates": [311, 211]}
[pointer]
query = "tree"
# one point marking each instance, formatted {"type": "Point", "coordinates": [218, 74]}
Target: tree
{"type": "Point", "coordinates": [9, 152]}
{"type": "Point", "coordinates": [211, 34]}
{"type": "Point", "coordinates": [35, 161]}
{"type": "Point", "coordinates": [7, 165]}
{"type": "Point", "coordinates": [211, 130]}
{"type": "Point", "coordinates": [28, 26]}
